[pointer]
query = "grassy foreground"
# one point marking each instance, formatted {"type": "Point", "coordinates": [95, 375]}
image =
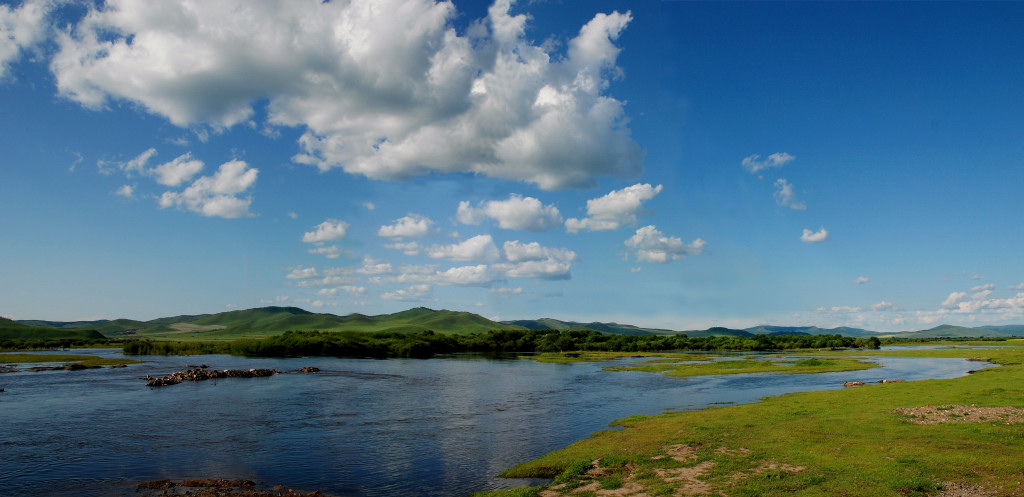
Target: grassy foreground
{"type": "Point", "coordinates": [849, 442]}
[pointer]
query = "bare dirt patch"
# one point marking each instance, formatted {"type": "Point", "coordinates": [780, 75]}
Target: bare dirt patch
{"type": "Point", "coordinates": [957, 489]}
{"type": "Point", "coordinates": [933, 415]}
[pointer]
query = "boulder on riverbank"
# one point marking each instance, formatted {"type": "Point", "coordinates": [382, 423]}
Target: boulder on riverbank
{"type": "Point", "coordinates": [208, 374]}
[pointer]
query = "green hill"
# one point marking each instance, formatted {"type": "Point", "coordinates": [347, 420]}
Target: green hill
{"type": "Point", "coordinates": [718, 331]}
{"type": "Point", "coordinates": [611, 328]}
{"type": "Point", "coordinates": [811, 330]}
{"type": "Point", "coordinates": [950, 331]}
{"type": "Point", "coordinates": [14, 330]}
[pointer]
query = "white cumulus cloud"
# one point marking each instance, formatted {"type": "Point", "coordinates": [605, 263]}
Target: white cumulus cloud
{"type": "Point", "coordinates": [383, 88]}
{"type": "Point", "coordinates": [953, 298]}
{"type": "Point", "coordinates": [814, 236]}
{"type": "Point", "coordinates": [754, 163]}
{"type": "Point", "coordinates": [217, 195]}
{"type": "Point", "coordinates": [861, 280]}
{"type": "Point", "coordinates": [21, 29]}
{"type": "Point", "coordinates": [411, 226]}
{"type": "Point", "coordinates": [650, 245]}
{"type": "Point", "coordinates": [617, 208]}
{"type": "Point", "coordinates": [327, 231]}
{"type": "Point", "coordinates": [516, 213]}
{"type": "Point", "coordinates": [480, 248]}
{"type": "Point", "coordinates": [516, 251]}
{"type": "Point", "coordinates": [183, 168]}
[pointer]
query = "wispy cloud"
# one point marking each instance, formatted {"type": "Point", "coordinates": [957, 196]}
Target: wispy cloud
{"type": "Point", "coordinates": [754, 163]}
{"type": "Point", "coordinates": [785, 196]}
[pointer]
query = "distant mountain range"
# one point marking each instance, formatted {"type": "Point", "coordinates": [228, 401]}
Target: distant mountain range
{"type": "Point", "coordinates": [266, 321]}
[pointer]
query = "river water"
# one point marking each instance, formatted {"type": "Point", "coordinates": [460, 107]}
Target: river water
{"type": "Point", "coordinates": [359, 427]}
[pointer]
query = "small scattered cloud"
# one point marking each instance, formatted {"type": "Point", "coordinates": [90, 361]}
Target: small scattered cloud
{"type": "Point", "coordinates": [785, 196]}
{"type": "Point", "coordinates": [516, 251]}
{"type": "Point", "coordinates": [414, 293]}
{"type": "Point", "coordinates": [814, 236]}
{"type": "Point", "coordinates": [516, 213]}
{"type": "Point", "coordinates": [754, 163]}
{"type": "Point", "coordinates": [507, 291]}
{"type": "Point", "coordinates": [302, 273]}
{"type": "Point", "coordinates": [1016, 287]}
{"type": "Point", "coordinates": [861, 280]}
{"type": "Point", "coordinates": [411, 226]}
{"type": "Point", "coordinates": [369, 206]}
{"type": "Point", "coordinates": [217, 195]}
{"type": "Point", "coordinates": [953, 298]}
{"type": "Point", "coordinates": [407, 248]}
{"type": "Point", "coordinates": [617, 208]}
{"type": "Point", "coordinates": [327, 231]}
{"type": "Point", "coordinates": [884, 306]}
{"type": "Point", "coordinates": [126, 191]}
{"type": "Point", "coordinates": [329, 251]}
{"type": "Point", "coordinates": [650, 245]}
{"type": "Point", "coordinates": [183, 168]}
{"type": "Point", "coordinates": [293, 215]}
{"type": "Point", "coordinates": [480, 248]}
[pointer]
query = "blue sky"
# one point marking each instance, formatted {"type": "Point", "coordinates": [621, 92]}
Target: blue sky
{"type": "Point", "coordinates": [668, 164]}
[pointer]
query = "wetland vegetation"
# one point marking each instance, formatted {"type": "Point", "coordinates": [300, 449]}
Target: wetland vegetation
{"type": "Point", "coordinates": [955, 437]}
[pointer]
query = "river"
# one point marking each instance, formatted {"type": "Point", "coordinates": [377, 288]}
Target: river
{"type": "Point", "coordinates": [359, 427]}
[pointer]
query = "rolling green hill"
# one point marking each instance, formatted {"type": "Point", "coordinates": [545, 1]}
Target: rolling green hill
{"type": "Point", "coordinates": [612, 328]}
{"type": "Point", "coordinates": [267, 321]}
{"type": "Point", "coordinates": [811, 330]}
{"type": "Point", "coordinates": [14, 330]}
{"type": "Point", "coordinates": [949, 331]}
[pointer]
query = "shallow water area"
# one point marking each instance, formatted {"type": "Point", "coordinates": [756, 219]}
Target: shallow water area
{"type": "Point", "coordinates": [358, 427]}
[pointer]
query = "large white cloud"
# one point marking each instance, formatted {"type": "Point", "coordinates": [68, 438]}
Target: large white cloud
{"type": "Point", "coordinates": [383, 88]}
{"type": "Point", "coordinates": [217, 195]}
{"type": "Point", "coordinates": [617, 208]}
{"type": "Point", "coordinates": [21, 29]}
{"type": "Point", "coordinates": [516, 213]}
{"type": "Point", "coordinates": [650, 245]}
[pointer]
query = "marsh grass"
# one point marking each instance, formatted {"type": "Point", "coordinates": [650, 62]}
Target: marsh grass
{"type": "Point", "coordinates": [832, 443]}
{"type": "Point", "coordinates": [737, 366]}
{"type": "Point", "coordinates": [85, 360]}
{"type": "Point", "coordinates": [598, 356]}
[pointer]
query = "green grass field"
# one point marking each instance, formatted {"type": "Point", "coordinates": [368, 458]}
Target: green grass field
{"type": "Point", "coordinates": [849, 442]}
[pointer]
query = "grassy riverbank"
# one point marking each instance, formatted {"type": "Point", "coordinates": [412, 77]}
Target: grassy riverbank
{"type": "Point", "coordinates": [850, 442]}
{"type": "Point", "coordinates": [83, 360]}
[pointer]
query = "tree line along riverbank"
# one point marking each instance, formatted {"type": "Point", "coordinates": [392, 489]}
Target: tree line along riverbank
{"type": "Point", "coordinates": [428, 343]}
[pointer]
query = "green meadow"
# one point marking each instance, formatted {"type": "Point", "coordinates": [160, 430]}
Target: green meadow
{"type": "Point", "coordinates": [956, 437]}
